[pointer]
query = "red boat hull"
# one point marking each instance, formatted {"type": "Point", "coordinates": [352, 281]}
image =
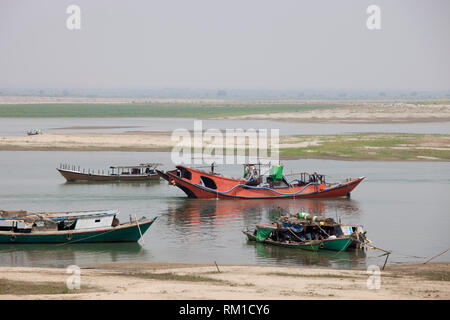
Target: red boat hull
{"type": "Point", "coordinates": [199, 184]}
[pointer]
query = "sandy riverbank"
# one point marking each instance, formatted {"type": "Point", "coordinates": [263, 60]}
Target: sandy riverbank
{"type": "Point", "coordinates": [149, 280]}
{"type": "Point", "coordinates": [392, 147]}
{"type": "Point", "coordinates": [362, 112]}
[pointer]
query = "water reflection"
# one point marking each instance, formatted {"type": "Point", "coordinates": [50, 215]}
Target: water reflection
{"type": "Point", "coordinates": [219, 222]}
{"type": "Point", "coordinates": [195, 211]}
{"type": "Point", "coordinates": [57, 255]}
{"type": "Point", "coordinates": [286, 256]}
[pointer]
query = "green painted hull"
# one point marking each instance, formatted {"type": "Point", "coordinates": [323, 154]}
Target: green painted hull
{"type": "Point", "coordinates": [340, 244]}
{"type": "Point", "coordinates": [122, 233]}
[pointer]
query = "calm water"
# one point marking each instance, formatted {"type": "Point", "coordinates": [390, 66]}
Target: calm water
{"type": "Point", "coordinates": [404, 206]}
{"type": "Point", "coordinates": [19, 126]}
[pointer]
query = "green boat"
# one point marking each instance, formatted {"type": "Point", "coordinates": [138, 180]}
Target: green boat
{"type": "Point", "coordinates": [334, 236]}
{"type": "Point", "coordinates": [71, 227]}
{"type": "Point", "coordinates": [275, 236]}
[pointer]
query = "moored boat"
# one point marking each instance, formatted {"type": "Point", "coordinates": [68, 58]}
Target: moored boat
{"type": "Point", "coordinates": [142, 172]}
{"type": "Point", "coordinates": [34, 132]}
{"type": "Point", "coordinates": [334, 236]}
{"type": "Point", "coordinates": [201, 184]}
{"type": "Point", "coordinates": [70, 227]}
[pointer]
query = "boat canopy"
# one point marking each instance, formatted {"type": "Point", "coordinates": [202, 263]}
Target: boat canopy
{"type": "Point", "coordinates": [56, 216]}
{"type": "Point", "coordinates": [142, 165]}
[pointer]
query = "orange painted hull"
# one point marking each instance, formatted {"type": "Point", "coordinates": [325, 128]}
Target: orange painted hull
{"type": "Point", "coordinates": [228, 188]}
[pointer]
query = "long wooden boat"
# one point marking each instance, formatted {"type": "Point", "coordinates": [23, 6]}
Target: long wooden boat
{"type": "Point", "coordinates": [201, 184]}
{"type": "Point", "coordinates": [270, 235]}
{"type": "Point", "coordinates": [142, 172]}
{"type": "Point", "coordinates": [71, 227]}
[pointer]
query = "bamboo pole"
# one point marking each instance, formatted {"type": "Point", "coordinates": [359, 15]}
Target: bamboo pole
{"type": "Point", "coordinates": [436, 256]}
{"type": "Point", "coordinates": [139, 228]}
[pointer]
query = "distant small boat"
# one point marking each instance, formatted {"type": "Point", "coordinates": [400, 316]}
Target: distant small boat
{"type": "Point", "coordinates": [33, 132]}
{"type": "Point", "coordinates": [142, 172]}
{"type": "Point", "coordinates": [70, 227]}
{"type": "Point", "coordinates": [269, 234]}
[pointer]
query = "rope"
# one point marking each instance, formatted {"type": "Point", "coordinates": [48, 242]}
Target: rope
{"type": "Point", "coordinates": [296, 235]}
{"type": "Point", "coordinates": [96, 235]}
{"type": "Point", "coordinates": [258, 188]}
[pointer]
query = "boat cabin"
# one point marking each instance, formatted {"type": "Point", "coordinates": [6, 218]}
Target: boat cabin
{"type": "Point", "coordinates": [142, 169]}
{"type": "Point", "coordinates": [59, 221]}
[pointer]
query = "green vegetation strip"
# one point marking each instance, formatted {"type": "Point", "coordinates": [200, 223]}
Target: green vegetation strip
{"type": "Point", "coordinates": [436, 275]}
{"type": "Point", "coordinates": [369, 147]}
{"type": "Point", "coordinates": [14, 287]}
{"type": "Point", "coordinates": [80, 110]}
{"type": "Point", "coordinates": [169, 276]}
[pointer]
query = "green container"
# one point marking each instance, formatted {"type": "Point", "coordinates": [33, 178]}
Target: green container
{"type": "Point", "coordinates": [276, 172]}
{"type": "Point", "coordinates": [303, 215]}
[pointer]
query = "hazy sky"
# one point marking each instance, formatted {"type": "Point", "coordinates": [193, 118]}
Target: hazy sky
{"type": "Point", "coordinates": [226, 43]}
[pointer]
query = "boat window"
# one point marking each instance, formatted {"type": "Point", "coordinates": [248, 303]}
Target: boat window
{"type": "Point", "coordinates": [97, 220]}
{"type": "Point", "coordinates": [208, 182]}
{"type": "Point", "coordinates": [186, 174]}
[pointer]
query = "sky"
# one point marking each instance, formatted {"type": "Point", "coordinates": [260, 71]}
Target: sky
{"type": "Point", "coordinates": [225, 43]}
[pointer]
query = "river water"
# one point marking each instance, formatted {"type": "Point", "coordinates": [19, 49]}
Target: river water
{"type": "Point", "coordinates": [404, 206]}
{"type": "Point", "coordinates": [19, 126]}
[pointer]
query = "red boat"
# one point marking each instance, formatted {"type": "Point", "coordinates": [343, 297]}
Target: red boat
{"type": "Point", "coordinates": [201, 184]}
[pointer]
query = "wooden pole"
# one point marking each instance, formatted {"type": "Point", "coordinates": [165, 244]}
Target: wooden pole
{"type": "Point", "coordinates": [436, 256]}
{"type": "Point", "coordinates": [217, 266]}
{"type": "Point", "coordinates": [139, 228]}
{"type": "Point", "coordinates": [385, 261]}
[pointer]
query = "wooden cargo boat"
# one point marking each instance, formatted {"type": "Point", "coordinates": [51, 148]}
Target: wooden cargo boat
{"type": "Point", "coordinates": [142, 172]}
{"type": "Point", "coordinates": [274, 235]}
{"type": "Point", "coordinates": [201, 184]}
{"type": "Point", "coordinates": [70, 227]}
{"type": "Point", "coordinates": [334, 236]}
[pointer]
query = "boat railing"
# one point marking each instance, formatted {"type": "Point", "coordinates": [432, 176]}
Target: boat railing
{"type": "Point", "coordinates": [115, 170]}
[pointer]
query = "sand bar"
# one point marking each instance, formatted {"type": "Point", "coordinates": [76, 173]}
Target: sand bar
{"type": "Point", "coordinates": [147, 280]}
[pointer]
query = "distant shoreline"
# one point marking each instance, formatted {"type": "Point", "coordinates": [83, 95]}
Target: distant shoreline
{"type": "Point", "coordinates": [315, 111]}
{"type": "Point", "coordinates": [157, 280]}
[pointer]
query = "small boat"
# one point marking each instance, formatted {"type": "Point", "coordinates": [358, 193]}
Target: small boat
{"type": "Point", "coordinates": [142, 172]}
{"type": "Point", "coordinates": [34, 132]}
{"type": "Point", "coordinates": [201, 184]}
{"type": "Point", "coordinates": [334, 236]}
{"type": "Point", "coordinates": [70, 227]}
{"type": "Point", "coordinates": [276, 236]}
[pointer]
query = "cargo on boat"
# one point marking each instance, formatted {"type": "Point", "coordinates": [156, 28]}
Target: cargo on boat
{"type": "Point", "coordinates": [201, 184]}
{"type": "Point", "coordinates": [70, 227]}
{"type": "Point", "coordinates": [142, 172]}
{"type": "Point", "coordinates": [307, 232]}
{"type": "Point", "coordinates": [333, 235]}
